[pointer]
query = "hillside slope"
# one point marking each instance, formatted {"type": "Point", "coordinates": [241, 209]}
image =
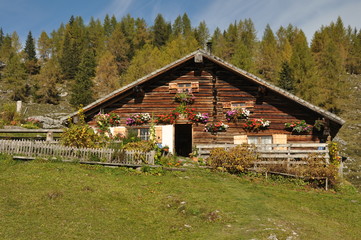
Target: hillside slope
{"type": "Point", "coordinates": [54, 200]}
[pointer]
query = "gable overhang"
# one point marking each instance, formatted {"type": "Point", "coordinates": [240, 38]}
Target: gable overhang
{"type": "Point", "coordinates": [100, 103]}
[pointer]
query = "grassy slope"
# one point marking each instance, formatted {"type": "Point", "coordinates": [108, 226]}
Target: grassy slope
{"type": "Point", "coordinates": [350, 134]}
{"type": "Point", "coordinates": [53, 200]}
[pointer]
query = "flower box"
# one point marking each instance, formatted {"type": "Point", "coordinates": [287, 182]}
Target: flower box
{"type": "Point", "coordinates": [239, 113]}
{"type": "Point", "coordinates": [185, 98]}
{"type": "Point", "coordinates": [300, 127]}
{"type": "Point", "coordinates": [138, 119]}
{"type": "Point", "coordinates": [216, 127]}
{"type": "Point", "coordinates": [256, 124]}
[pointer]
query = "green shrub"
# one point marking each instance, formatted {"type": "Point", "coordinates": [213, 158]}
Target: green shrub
{"type": "Point", "coordinates": [234, 160]}
{"type": "Point", "coordinates": [9, 115]}
{"type": "Point", "coordinates": [143, 146]}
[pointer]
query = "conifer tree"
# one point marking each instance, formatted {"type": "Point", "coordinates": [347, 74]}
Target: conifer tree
{"type": "Point", "coordinates": [1, 37]}
{"type": "Point", "coordinates": [106, 78]}
{"type": "Point", "coordinates": [268, 59]}
{"type": "Point", "coordinates": [82, 93]}
{"type": "Point", "coordinates": [285, 80]}
{"type": "Point", "coordinates": [44, 46]}
{"type": "Point", "coordinates": [47, 83]}
{"type": "Point", "coordinates": [161, 31]}
{"type": "Point", "coordinates": [119, 47]}
{"type": "Point", "coordinates": [202, 34]}
{"type": "Point", "coordinates": [30, 55]}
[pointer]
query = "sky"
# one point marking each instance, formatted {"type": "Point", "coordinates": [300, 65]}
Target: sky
{"type": "Point", "coordinates": [36, 16]}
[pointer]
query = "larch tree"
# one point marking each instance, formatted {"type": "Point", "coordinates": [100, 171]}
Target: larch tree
{"type": "Point", "coordinates": [201, 33]}
{"type": "Point", "coordinates": [82, 93]}
{"type": "Point", "coordinates": [44, 47]}
{"type": "Point", "coordinates": [119, 47]}
{"type": "Point", "coordinates": [268, 59]}
{"type": "Point", "coordinates": [106, 77]}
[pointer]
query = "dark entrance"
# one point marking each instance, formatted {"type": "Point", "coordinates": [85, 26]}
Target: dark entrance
{"type": "Point", "coordinates": [183, 139]}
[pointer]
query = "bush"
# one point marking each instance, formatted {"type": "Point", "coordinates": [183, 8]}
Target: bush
{"type": "Point", "coordinates": [9, 114]}
{"type": "Point", "coordinates": [142, 146]}
{"type": "Point", "coordinates": [235, 160]}
{"type": "Point", "coordinates": [80, 134]}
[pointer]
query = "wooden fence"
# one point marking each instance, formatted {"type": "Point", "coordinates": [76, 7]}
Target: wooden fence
{"type": "Point", "coordinates": [284, 152]}
{"type": "Point", "coordinates": [46, 149]}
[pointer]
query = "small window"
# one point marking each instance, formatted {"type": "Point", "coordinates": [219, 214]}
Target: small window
{"type": "Point", "coordinates": [184, 87]}
{"type": "Point", "coordinates": [142, 133]}
{"type": "Point", "coordinates": [261, 140]}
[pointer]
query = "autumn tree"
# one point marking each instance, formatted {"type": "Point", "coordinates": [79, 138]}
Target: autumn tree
{"type": "Point", "coordinates": [47, 86]}
{"type": "Point", "coordinates": [44, 46]}
{"type": "Point", "coordinates": [268, 59]}
{"type": "Point", "coordinates": [82, 93]}
{"type": "Point", "coordinates": [106, 78]}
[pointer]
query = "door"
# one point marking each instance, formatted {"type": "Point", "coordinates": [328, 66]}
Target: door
{"type": "Point", "coordinates": [183, 139]}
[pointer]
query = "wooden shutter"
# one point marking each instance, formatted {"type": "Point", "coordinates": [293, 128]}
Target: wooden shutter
{"type": "Point", "coordinates": [279, 139]}
{"type": "Point", "coordinates": [226, 104]}
{"type": "Point", "coordinates": [119, 130]}
{"type": "Point", "coordinates": [158, 134]}
{"type": "Point", "coordinates": [240, 139]}
{"type": "Point", "coordinates": [173, 87]}
{"type": "Point", "coordinates": [195, 86]}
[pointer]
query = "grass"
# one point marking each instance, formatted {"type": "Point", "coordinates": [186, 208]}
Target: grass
{"type": "Point", "coordinates": [47, 200]}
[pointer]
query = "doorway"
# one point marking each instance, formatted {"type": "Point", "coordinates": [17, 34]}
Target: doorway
{"type": "Point", "coordinates": [183, 139]}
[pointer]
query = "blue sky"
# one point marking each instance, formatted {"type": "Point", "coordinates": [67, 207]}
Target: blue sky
{"type": "Point", "coordinates": [36, 16]}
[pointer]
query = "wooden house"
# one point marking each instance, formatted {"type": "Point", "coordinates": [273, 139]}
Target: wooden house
{"type": "Point", "coordinates": [218, 87]}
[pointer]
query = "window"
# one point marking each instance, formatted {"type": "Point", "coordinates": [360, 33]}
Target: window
{"type": "Point", "coordinates": [234, 105]}
{"type": "Point", "coordinates": [183, 87]}
{"type": "Point", "coordinates": [260, 140]}
{"type": "Point", "coordinates": [142, 133]}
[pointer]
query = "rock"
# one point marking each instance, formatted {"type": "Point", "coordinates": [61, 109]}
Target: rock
{"type": "Point", "coordinates": [48, 122]}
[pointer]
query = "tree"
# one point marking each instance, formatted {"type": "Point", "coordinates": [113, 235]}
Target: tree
{"type": "Point", "coordinates": [1, 37]}
{"type": "Point", "coordinates": [30, 55]}
{"type": "Point", "coordinates": [285, 80]}
{"type": "Point", "coordinates": [15, 78]}
{"type": "Point", "coordinates": [82, 87]}
{"type": "Point", "coordinates": [47, 83]}
{"type": "Point", "coordinates": [106, 78]}
{"type": "Point", "coordinates": [120, 48]}
{"type": "Point", "coordinates": [161, 31]}
{"type": "Point", "coordinates": [72, 47]}
{"type": "Point", "coordinates": [268, 59]}
{"type": "Point", "coordinates": [202, 34]}
{"type": "Point", "coordinates": [44, 46]}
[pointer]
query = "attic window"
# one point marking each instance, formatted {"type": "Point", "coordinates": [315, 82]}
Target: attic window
{"type": "Point", "coordinates": [234, 105]}
{"type": "Point", "coordinates": [183, 87]}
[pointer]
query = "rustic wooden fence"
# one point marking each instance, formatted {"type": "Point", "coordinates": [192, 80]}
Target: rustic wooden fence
{"type": "Point", "coordinates": [46, 149]}
{"type": "Point", "coordinates": [278, 153]}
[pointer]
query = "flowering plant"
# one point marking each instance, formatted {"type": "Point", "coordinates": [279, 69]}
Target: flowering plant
{"type": "Point", "coordinates": [240, 113]}
{"type": "Point", "coordinates": [256, 124]}
{"type": "Point", "coordinates": [104, 121]}
{"type": "Point", "coordinates": [184, 97]}
{"type": "Point", "coordinates": [197, 117]}
{"type": "Point", "coordinates": [167, 118]}
{"type": "Point", "coordinates": [138, 119]}
{"type": "Point", "coordinates": [216, 127]}
{"type": "Point", "coordinates": [299, 126]}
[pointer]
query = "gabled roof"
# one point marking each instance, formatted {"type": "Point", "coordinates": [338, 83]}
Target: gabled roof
{"type": "Point", "coordinates": [222, 63]}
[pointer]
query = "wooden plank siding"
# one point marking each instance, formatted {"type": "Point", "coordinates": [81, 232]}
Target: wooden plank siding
{"type": "Point", "coordinates": [230, 87]}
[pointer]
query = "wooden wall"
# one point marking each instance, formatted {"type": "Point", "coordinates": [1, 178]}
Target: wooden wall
{"type": "Point", "coordinates": [230, 87]}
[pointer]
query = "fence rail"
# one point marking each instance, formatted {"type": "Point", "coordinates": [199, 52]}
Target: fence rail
{"type": "Point", "coordinates": [292, 151]}
{"type": "Point", "coordinates": [46, 149]}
